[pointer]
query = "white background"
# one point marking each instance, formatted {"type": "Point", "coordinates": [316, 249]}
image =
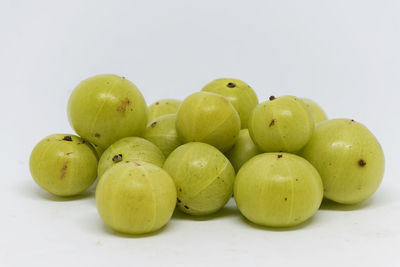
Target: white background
{"type": "Point", "coordinates": [343, 54]}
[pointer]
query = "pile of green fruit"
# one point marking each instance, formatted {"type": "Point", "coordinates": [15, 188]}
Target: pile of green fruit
{"type": "Point", "coordinates": [279, 158]}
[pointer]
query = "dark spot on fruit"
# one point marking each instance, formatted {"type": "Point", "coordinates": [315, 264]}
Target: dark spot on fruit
{"type": "Point", "coordinates": [272, 98]}
{"type": "Point", "coordinates": [186, 207]}
{"type": "Point", "coordinates": [362, 163]}
{"type": "Point", "coordinates": [297, 180]}
{"type": "Point", "coordinates": [272, 123]}
{"type": "Point", "coordinates": [231, 85]}
{"type": "Point", "coordinates": [157, 103]}
{"type": "Point", "coordinates": [123, 77]}
{"type": "Point", "coordinates": [97, 135]}
{"type": "Point", "coordinates": [69, 153]}
{"type": "Point", "coordinates": [153, 124]}
{"type": "Point", "coordinates": [180, 189]}
{"type": "Point", "coordinates": [64, 170]}
{"type": "Point", "coordinates": [83, 141]}
{"type": "Point", "coordinates": [126, 161]}
{"type": "Point", "coordinates": [285, 198]}
{"type": "Point", "coordinates": [137, 163]}
{"type": "Point", "coordinates": [122, 108]}
{"type": "Point", "coordinates": [297, 218]}
{"type": "Point", "coordinates": [117, 158]}
{"type": "Point", "coordinates": [67, 138]}
{"type": "Point", "coordinates": [280, 156]}
{"type": "Point", "coordinates": [178, 200]}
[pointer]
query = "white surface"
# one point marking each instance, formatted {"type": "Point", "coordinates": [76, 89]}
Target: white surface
{"type": "Point", "coordinates": [343, 54]}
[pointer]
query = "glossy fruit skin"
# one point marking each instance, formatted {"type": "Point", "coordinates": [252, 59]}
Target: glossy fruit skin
{"type": "Point", "coordinates": [243, 150]}
{"type": "Point", "coordinates": [240, 94]}
{"type": "Point", "coordinates": [130, 149]}
{"type": "Point", "coordinates": [203, 178]}
{"type": "Point", "coordinates": [162, 107]}
{"type": "Point", "coordinates": [162, 133]}
{"type": "Point", "coordinates": [348, 157]}
{"type": "Point", "coordinates": [282, 124]}
{"type": "Point", "coordinates": [209, 118]}
{"type": "Point", "coordinates": [63, 167]}
{"type": "Point", "coordinates": [105, 108]}
{"type": "Point", "coordinates": [135, 197]}
{"type": "Point", "coordinates": [278, 190]}
{"type": "Point", "coordinates": [318, 113]}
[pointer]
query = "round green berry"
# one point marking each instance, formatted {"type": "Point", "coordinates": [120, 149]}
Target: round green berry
{"type": "Point", "coordinates": [135, 197]}
{"type": "Point", "coordinates": [129, 149]}
{"type": "Point", "coordinates": [105, 108]}
{"type": "Point", "coordinates": [209, 118]}
{"type": "Point", "coordinates": [281, 124]}
{"type": "Point", "coordinates": [162, 133]}
{"type": "Point", "coordinates": [278, 190]}
{"type": "Point", "coordinates": [63, 164]}
{"type": "Point", "coordinates": [240, 94]}
{"type": "Point", "coordinates": [349, 159]}
{"type": "Point", "coordinates": [163, 107]}
{"type": "Point", "coordinates": [203, 177]}
{"type": "Point", "coordinates": [243, 150]}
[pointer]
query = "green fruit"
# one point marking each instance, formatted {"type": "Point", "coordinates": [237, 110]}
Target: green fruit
{"type": "Point", "coordinates": [318, 113]}
{"type": "Point", "coordinates": [105, 108]}
{"type": "Point", "coordinates": [130, 149]}
{"type": "Point", "coordinates": [278, 189]}
{"type": "Point", "coordinates": [209, 118]}
{"type": "Point", "coordinates": [240, 94]}
{"type": "Point", "coordinates": [349, 159]}
{"type": "Point", "coordinates": [135, 197]}
{"type": "Point", "coordinates": [203, 177]}
{"type": "Point", "coordinates": [243, 150]}
{"type": "Point", "coordinates": [162, 133]}
{"type": "Point", "coordinates": [281, 124]}
{"type": "Point", "coordinates": [63, 164]}
{"type": "Point", "coordinates": [163, 107]}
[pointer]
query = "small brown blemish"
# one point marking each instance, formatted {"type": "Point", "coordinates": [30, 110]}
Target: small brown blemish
{"type": "Point", "coordinates": [231, 85]}
{"type": "Point", "coordinates": [180, 189]}
{"type": "Point", "coordinates": [362, 163]}
{"type": "Point", "coordinates": [64, 170]}
{"type": "Point", "coordinates": [83, 141]}
{"type": "Point", "coordinates": [297, 180]}
{"type": "Point", "coordinates": [280, 156]}
{"type": "Point", "coordinates": [122, 108]}
{"type": "Point", "coordinates": [272, 98]}
{"type": "Point", "coordinates": [186, 207]}
{"type": "Point", "coordinates": [117, 158]}
{"type": "Point", "coordinates": [67, 138]}
{"type": "Point", "coordinates": [97, 135]}
{"type": "Point", "coordinates": [272, 123]}
{"type": "Point", "coordinates": [157, 103]}
{"type": "Point", "coordinates": [178, 200]}
{"type": "Point", "coordinates": [285, 198]}
{"type": "Point", "coordinates": [69, 153]}
{"type": "Point", "coordinates": [153, 124]}
{"type": "Point", "coordinates": [137, 163]}
{"type": "Point", "coordinates": [123, 77]}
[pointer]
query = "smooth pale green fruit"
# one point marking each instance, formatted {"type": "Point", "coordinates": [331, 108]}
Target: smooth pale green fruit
{"type": "Point", "coordinates": [203, 177]}
{"type": "Point", "coordinates": [240, 94]}
{"type": "Point", "coordinates": [162, 107]}
{"type": "Point", "coordinates": [281, 124]}
{"type": "Point", "coordinates": [130, 148]}
{"type": "Point", "coordinates": [278, 189]}
{"type": "Point", "coordinates": [318, 113]}
{"type": "Point", "coordinates": [349, 159]}
{"type": "Point", "coordinates": [162, 133]}
{"type": "Point", "coordinates": [105, 108]}
{"type": "Point", "coordinates": [63, 164]}
{"type": "Point", "coordinates": [135, 197]}
{"type": "Point", "coordinates": [209, 118]}
{"type": "Point", "coordinates": [243, 150]}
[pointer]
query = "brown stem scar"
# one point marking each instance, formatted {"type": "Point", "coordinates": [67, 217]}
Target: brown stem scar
{"type": "Point", "coordinates": [280, 156]}
{"type": "Point", "coordinates": [153, 124]}
{"type": "Point", "coordinates": [272, 123]}
{"type": "Point", "coordinates": [64, 170]}
{"type": "Point", "coordinates": [186, 207]}
{"type": "Point", "coordinates": [362, 163]}
{"type": "Point", "coordinates": [122, 108]}
{"type": "Point", "coordinates": [231, 85]}
{"type": "Point", "coordinates": [272, 98]}
{"type": "Point", "coordinates": [117, 158]}
{"type": "Point", "coordinates": [67, 138]}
